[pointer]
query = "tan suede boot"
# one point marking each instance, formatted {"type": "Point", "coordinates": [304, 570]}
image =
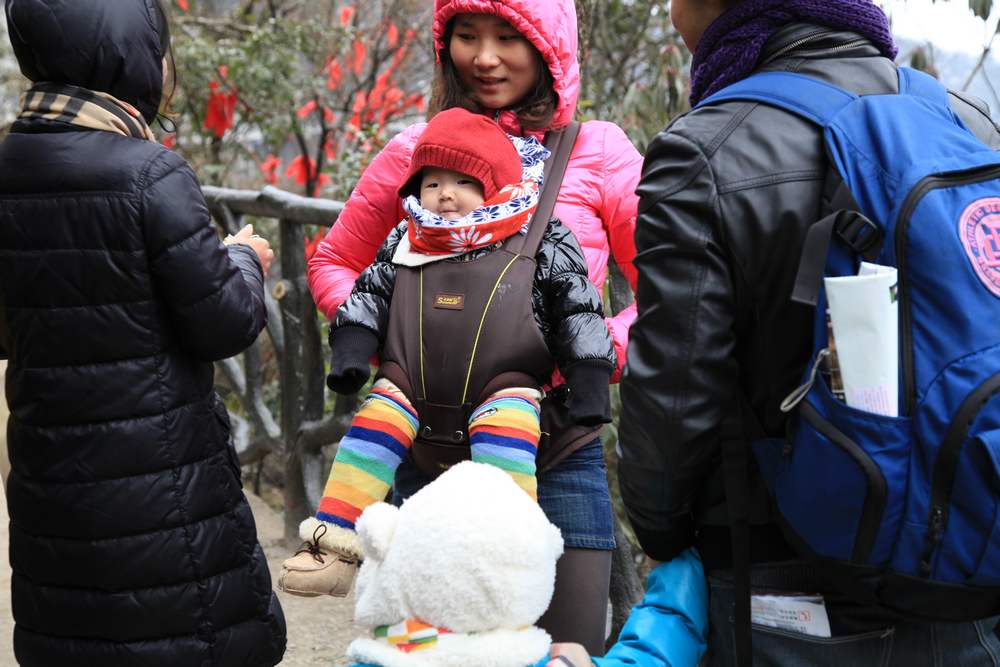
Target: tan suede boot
{"type": "Point", "coordinates": [325, 565]}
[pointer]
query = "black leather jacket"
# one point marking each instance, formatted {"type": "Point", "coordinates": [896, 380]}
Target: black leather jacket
{"type": "Point", "coordinates": [726, 197]}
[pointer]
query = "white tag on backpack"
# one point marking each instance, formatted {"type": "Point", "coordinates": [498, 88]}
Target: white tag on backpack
{"type": "Point", "coordinates": [805, 614]}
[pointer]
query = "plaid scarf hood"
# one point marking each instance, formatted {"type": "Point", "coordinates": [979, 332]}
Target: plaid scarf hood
{"type": "Point", "coordinates": [63, 103]}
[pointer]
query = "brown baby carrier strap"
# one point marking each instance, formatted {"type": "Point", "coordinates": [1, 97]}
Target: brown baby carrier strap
{"type": "Point", "coordinates": [560, 143]}
{"type": "Point", "coordinates": [461, 330]}
{"type": "Point", "coordinates": [561, 436]}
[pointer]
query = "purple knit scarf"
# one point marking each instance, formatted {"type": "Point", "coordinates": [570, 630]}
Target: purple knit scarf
{"type": "Point", "coordinates": [732, 44]}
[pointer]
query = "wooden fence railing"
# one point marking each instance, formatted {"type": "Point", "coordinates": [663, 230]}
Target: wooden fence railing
{"type": "Point", "coordinates": [299, 431]}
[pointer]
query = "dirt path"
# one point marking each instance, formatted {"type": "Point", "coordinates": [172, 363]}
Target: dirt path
{"type": "Point", "coordinates": [319, 629]}
{"type": "Point", "coordinates": [6, 622]}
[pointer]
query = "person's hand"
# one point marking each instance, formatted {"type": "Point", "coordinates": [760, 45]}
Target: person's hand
{"type": "Point", "coordinates": [569, 655]}
{"type": "Point", "coordinates": [259, 245]}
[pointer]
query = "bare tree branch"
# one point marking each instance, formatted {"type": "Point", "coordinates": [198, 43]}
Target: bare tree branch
{"type": "Point", "coordinates": [982, 59]}
{"type": "Point", "coordinates": [311, 438]}
{"type": "Point", "coordinates": [259, 449]}
{"type": "Point", "coordinates": [219, 26]}
{"type": "Point", "coordinates": [234, 373]}
{"type": "Point", "coordinates": [619, 289]}
{"type": "Point", "coordinates": [247, 387]}
{"type": "Point", "coordinates": [240, 432]}
{"type": "Point", "coordinates": [993, 90]}
{"type": "Point", "coordinates": [314, 435]}
{"type": "Point", "coordinates": [231, 222]}
{"type": "Point", "coordinates": [250, 451]}
{"type": "Point", "coordinates": [626, 590]}
{"type": "Point", "coordinates": [263, 421]}
{"type": "Point", "coordinates": [275, 327]}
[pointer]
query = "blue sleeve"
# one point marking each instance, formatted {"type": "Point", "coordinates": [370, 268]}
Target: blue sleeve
{"type": "Point", "coordinates": [669, 628]}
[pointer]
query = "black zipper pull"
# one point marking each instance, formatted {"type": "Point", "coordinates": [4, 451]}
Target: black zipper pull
{"type": "Point", "coordinates": [934, 536]}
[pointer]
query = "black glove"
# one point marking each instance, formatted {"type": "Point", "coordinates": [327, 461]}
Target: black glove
{"type": "Point", "coordinates": [589, 399]}
{"type": "Point", "coordinates": [352, 347]}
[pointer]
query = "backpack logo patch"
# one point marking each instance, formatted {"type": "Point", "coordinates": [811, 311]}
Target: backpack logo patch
{"type": "Point", "coordinates": [979, 229]}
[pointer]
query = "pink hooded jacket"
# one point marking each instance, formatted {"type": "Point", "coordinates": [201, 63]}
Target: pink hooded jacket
{"type": "Point", "coordinates": [597, 200]}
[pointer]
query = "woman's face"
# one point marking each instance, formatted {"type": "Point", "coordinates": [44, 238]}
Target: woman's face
{"type": "Point", "coordinates": [495, 63]}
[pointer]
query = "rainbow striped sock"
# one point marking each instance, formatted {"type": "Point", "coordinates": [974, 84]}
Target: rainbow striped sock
{"type": "Point", "coordinates": [378, 440]}
{"type": "Point", "coordinates": [504, 432]}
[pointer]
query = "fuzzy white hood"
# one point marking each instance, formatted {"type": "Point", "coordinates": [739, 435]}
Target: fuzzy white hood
{"type": "Point", "coordinates": [470, 552]}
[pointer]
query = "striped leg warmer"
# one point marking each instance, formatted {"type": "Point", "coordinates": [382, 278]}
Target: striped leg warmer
{"type": "Point", "coordinates": [379, 438]}
{"type": "Point", "coordinates": [504, 432]}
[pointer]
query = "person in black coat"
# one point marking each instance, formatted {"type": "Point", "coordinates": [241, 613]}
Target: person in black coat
{"type": "Point", "coordinates": [131, 541]}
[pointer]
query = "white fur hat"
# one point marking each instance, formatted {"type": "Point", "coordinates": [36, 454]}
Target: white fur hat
{"type": "Point", "coordinates": [470, 552]}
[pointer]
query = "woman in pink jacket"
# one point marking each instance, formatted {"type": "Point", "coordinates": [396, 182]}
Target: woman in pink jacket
{"type": "Point", "coordinates": [516, 61]}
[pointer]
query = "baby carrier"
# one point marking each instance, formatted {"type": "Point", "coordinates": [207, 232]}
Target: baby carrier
{"type": "Point", "coordinates": [460, 331]}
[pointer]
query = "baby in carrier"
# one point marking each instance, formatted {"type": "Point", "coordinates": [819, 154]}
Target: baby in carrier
{"type": "Point", "coordinates": [470, 305]}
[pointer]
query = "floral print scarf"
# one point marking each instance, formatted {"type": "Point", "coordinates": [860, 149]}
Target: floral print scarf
{"type": "Point", "coordinates": [431, 237]}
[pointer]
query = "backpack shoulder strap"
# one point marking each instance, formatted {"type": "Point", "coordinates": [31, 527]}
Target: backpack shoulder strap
{"type": "Point", "coordinates": [817, 100]}
{"type": "Point", "coordinates": [561, 143]}
{"type": "Point", "coordinates": [802, 95]}
{"type": "Point", "coordinates": [920, 84]}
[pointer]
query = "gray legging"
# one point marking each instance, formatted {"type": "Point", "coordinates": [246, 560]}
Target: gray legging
{"type": "Point", "coordinates": [579, 609]}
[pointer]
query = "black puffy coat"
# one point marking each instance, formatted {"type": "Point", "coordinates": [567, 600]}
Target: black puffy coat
{"type": "Point", "coordinates": [727, 195]}
{"type": "Point", "coordinates": [130, 538]}
{"type": "Point", "coordinates": [567, 309]}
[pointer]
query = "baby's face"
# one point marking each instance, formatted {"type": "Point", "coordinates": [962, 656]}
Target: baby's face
{"type": "Point", "coordinates": [449, 194]}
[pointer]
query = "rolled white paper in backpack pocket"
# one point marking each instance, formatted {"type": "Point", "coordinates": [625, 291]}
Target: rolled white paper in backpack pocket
{"type": "Point", "coordinates": [865, 319]}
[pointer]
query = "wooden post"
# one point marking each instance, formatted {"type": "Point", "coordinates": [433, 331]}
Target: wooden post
{"type": "Point", "coordinates": [292, 303]}
{"type": "Point", "coordinates": [314, 388]}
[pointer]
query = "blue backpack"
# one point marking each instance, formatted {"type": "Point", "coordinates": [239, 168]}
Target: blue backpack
{"type": "Point", "coordinates": [905, 509]}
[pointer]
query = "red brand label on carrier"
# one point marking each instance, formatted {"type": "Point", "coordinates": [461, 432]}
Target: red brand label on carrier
{"type": "Point", "coordinates": [979, 230]}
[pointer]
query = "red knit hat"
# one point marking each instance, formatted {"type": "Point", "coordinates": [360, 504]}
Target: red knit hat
{"type": "Point", "coordinates": [468, 143]}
